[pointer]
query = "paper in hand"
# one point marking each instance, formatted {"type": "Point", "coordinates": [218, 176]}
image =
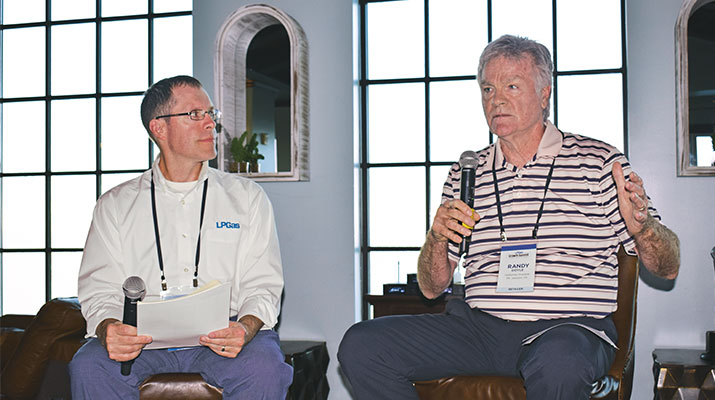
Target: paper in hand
{"type": "Point", "coordinates": [181, 321]}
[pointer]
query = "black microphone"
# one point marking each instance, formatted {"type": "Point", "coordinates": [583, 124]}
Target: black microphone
{"type": "Point", "coordinates": [468, 164]}
{"type": "Point", "coordinates": [134, 290]}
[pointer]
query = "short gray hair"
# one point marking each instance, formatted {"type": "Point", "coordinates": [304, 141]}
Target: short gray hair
{"type": "Point", "coordinates": [515, 47]}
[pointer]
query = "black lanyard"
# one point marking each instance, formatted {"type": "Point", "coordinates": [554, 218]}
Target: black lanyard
{"type": "Point", "coordinates": [158, 242]}
{"type": "Point", "coordinates": [502, 233]}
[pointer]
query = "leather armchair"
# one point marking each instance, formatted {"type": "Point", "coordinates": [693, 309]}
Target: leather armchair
{"type": "Point", "coordinates": [617, 384]}
{"type": "Point", "coordinates": [35, 351]}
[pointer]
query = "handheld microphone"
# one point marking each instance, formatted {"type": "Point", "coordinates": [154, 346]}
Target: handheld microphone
{"type": "Point", "coordinates": [468, 164]}
{"type": "Point", "coordinates": [134, 290]}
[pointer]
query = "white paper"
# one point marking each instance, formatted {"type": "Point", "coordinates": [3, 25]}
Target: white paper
{"type": "Point", "coordinates": [601, 334]}
{"type": "Point", "coordinates": [180, 322]}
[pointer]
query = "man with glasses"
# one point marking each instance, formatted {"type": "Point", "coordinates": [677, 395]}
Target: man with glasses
{"type": "Point", "coordinates": [180, 225]}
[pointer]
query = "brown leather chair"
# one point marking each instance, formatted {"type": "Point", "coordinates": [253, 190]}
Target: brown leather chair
{"type": "Point", "coordinates": [35, 351]}
{"type": "Point", "coordinates": [616, 385]}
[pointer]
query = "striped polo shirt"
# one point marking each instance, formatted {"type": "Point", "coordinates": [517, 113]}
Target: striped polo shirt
{"type": "Point", "coordinates": [579, 232]}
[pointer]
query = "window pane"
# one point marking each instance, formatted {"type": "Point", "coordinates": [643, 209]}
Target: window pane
{"type": "Point", "coordinates": [530, 18]}
{"type": "Point", "coordinates": [161, 6]}
{"type": "Point", "coordinates": [396, 123]}
{"type": "Point", "coordinates": [392, 225]}
{"type": "Point", "coordinates": [456, 120]}
{"type": "Point", "coordinates": [23, 136]}
{"type": "Point", "coordinates": [21, 11]}
{"type": "Point", "coordinates": [705, 151]}
{"type": "Point", "coordinates": [23, 283]}
{"type": "Point", "coordinates": [73, 59]}
{"type": "Point", "coordinates": [395, 50]}
{"type": "Point", "coordinates": [438, 176]}
{"type": "Point", "coordinates": [124, 67]}
{"type": "Point", "coordinates": [112, 8]}
{"type": "Point", "coordinates": [579, 95]}
{"type": "Point", "coordinates": [111, 180]}
{"type": "Point", "coordinates": [173, 47]}
{"type": "Point", "coordinates": [124, 139]}
{"type": "Point", "coordinates": [65, 273]}
{"type": "Point", "coordinates": [73, 9]}
{"type": "Point", "coordinates": [73, 198]}
{"type": "Point", "coordinates": [23, 212]}
{"type": "Point", "coordinates": [456, 38]}
{"type": "Point", "coordinates": [589, 34]}
{"type": "Point", "coordinates": [23, 62]}
{"type": "Point", "coordinates": [73, 135]}
{"type": "Point", "coordinates": [390, 267]}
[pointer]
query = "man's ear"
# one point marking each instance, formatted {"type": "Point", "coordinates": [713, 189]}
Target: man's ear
{"type": "Point", "coordinates": [545, 95]}
{"type": "Point", "coordinates": [158, 129]}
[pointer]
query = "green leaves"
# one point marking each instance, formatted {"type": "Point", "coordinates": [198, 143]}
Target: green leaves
{"type": "Point", "coordinates": [245, 148]}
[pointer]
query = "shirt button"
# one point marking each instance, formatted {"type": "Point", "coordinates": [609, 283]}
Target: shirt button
{"type": "Point", "coordinates": [186, 270]}
{"type": "Point", "coordinates": [183, 235]}
{"type": "Point", "coordinates": [183, 202]}
{"type": "Point", "coordinates": [520, 174]}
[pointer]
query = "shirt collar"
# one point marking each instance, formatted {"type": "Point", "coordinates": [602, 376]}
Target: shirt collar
{"type": "Point", "coordinates": [161, 182]}
{"type": "Point", "coordinates": [549, 146]}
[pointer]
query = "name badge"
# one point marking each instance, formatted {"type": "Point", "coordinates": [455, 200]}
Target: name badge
{"type": "Point", "coordinates": [517, 266]}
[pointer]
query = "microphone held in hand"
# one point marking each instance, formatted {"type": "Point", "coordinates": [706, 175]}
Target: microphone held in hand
{"type": "Point", "coordinates": [134, 290]}
{"type": "Point", "coordinates": [468, 164]}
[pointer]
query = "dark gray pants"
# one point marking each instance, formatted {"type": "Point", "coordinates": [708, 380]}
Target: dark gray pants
{"type": "Point", "coordinates": [382, 357]}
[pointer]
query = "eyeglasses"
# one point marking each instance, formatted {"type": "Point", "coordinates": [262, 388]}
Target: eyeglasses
{"type": "Point", "coordinates": [196, 115]}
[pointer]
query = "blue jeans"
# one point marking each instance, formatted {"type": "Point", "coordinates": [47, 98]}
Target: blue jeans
{"type": "Point", "coordinates": [382, 357]}
{"type": "Point", "coordinates": [258, 372]}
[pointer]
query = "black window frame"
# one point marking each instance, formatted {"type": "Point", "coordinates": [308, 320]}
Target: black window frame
{"type": "Point", "coordinates": [97, 95]}
{"type": "Point", "coordinates": [364, 84]}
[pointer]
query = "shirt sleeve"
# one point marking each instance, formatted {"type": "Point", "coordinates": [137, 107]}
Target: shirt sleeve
{"type": "Point", "coordinates": [261, 273]}
{"type": "Point", "coordinates": [100, 274]}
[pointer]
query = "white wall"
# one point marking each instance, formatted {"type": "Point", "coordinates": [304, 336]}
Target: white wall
{"type": "Point", "coordinates": [316, 218]}
{"type": "Point", "coordinates": [679, 317]}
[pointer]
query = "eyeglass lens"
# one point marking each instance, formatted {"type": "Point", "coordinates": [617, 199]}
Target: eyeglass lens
{"type": "Point", "coordinates": [198, 115]}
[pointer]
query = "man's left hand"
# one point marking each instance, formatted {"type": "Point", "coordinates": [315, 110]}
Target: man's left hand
{"type": "Point", "coordinates": [227, 342]}
{"type": "Point", "coordinates": [632, 200]}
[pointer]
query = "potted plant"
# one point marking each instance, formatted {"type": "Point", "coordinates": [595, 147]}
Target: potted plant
{"type": "Point", "coordinates": [244, 150]}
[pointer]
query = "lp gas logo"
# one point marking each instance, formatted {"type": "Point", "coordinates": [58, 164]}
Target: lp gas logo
{"type": "Point", "coordinates": [226, 224]}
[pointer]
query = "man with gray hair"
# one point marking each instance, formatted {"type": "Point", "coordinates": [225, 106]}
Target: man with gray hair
{"type": "Point", "coordinates": [559, 203]}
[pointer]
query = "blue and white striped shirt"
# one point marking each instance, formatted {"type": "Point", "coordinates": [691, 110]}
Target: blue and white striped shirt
{"type": "Point", "coordinates": [579, 232]}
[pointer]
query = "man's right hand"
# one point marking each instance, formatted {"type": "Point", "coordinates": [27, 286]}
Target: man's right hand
{"type": "Point", "coordinates": [449, 220]}
{"type": "Point", "coordinates": [434, 269]}
{"type": "Point", "coordinates": [121, 340]}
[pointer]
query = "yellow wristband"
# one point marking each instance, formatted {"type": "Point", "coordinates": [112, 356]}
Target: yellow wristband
{"type": "Point", "coordinates": [467, 226]}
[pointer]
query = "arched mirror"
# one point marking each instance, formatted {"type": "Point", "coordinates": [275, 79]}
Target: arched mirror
{"type": "Point", "coordinates": [695, 87]}
{"type": "Point", "coordinates": [261, 88]}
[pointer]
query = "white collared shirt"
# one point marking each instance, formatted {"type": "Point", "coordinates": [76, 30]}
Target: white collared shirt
{"type": "Point", "coordinates": [239, 244]}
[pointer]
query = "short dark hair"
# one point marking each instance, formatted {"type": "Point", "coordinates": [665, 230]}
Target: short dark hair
{"type": "Point", "coordinates": [158, 98]}
{"type": "Point", "coordinates": [515, 47]}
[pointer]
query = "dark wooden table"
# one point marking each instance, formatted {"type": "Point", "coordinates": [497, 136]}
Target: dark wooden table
{"type": "Point", "coordinates": [682, 374]}
{"type": "Point", "coordinates": [400, 304]}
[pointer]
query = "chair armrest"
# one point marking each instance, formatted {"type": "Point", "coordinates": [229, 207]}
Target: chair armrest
{"type": "Point", "coordinates": [23, 373]}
